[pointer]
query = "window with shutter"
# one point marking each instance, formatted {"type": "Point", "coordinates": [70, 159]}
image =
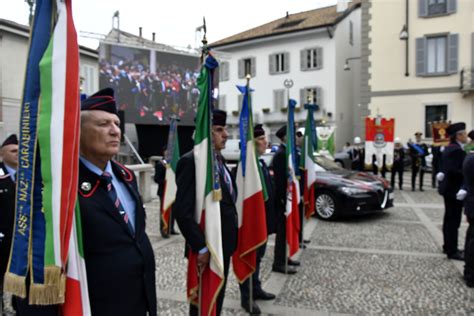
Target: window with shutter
{"type": "Point", "coordinates": [311, 59]}
{"type": "Point", "coordinates": [279, 63]}
{"type": "Point", "coordinates": [433, 8]}
{"type": "Point", "coordinates": [312, 95]}
{"type": "Point", "coordinates": [351, 33]}
{"type": "Point", "coordinates": [279, 99]}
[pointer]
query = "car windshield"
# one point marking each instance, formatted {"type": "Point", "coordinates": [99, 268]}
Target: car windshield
{"type": "Point", "coordinates": [326, 164]}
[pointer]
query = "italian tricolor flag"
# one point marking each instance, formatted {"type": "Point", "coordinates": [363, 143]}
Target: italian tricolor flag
{"type": "Point", "coordinates": [59, 133]}
{"type": "Point", "coordinates": [207, 212]}
{"type": "Point", "coordinates": [293, 189]}
{"type": "Point", "coordinates": [170, 177]}
{"type": "Point", "coordinates": [250, 203]}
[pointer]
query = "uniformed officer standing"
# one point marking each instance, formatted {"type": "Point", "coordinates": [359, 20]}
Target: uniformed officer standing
{"type": "Point", "coordinates": [397, 167]}
{"type": "Point", "coordinates": [184, 206]}
{"type": "Point", "coordinates": [468, 172]}
{"type": "Point", "coordinates": [258, 293]}
{"type": "Point", "coordinates": [358, 155]}
{"type": "Point", "coordinates": [451, 166]}
{"type": "Point", "coordinates": [281, 180]}
{"type": "Point", "coordinates": [418, 152]}
{"type": "Point", "coordinates": [119, 258]}
{"type": "Point", "coordinates": [9, 154]}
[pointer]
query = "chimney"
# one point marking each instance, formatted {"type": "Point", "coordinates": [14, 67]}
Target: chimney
{"type": "Point", "coordinates": [140, 31]}
{"type": "Point", "coordinates": [153, 36]}
{"type": "Point", "coordinates": [287, 14]}
{"type": "Point", "coordinates": [342, 5]}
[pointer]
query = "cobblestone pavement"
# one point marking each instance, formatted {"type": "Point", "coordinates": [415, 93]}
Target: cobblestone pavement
{"type": "Point", "coordinates": [387, 263]}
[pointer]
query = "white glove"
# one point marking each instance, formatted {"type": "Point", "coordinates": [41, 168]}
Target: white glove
{"type": "Point", "coordinates": [461, 195]}
{"type": "Point", "coordinates": [440, 176]}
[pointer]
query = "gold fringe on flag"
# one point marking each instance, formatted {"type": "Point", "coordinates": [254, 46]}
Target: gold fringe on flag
{"type": "Point", "coordinates": [15, 284]}
{"type": "Point", "coordinates": [52, 291]}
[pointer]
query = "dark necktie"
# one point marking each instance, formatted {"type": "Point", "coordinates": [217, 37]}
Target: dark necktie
{"type": "Point", "coordinates": [106, 180]}
{"type": "Point", "coordinates": [227, 179]}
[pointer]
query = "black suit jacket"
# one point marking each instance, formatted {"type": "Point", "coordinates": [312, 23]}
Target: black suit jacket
{"type": "Point", "coordinates": [184, 209]}
{"type": "Point", "coordinates": [7, 216]}
{"type": "Point", "coordinates": [120, 266]}
{"type": "Point", "coordinates": [270, 211]}
{"type": "Point", "coordinates": [468, 172]}
{"type": "Point", "coordinates": [281, 180]}
{"type": "Point", "coordinates": [451, 165]}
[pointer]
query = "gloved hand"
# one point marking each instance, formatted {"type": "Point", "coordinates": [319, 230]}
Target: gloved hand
{"type": "Point", "coordinates": [461, 195]}
{"type": "Point", "coordinates": [440, 176]}
{"type": "Point", "coordinates": [1, 236]}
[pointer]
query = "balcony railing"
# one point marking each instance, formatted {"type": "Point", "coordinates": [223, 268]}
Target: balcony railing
{"type": "Point", "coordinates": [467, 82]}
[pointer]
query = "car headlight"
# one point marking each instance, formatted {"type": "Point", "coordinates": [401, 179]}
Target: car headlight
{"type": "Point", "coordinates": [352, 191]}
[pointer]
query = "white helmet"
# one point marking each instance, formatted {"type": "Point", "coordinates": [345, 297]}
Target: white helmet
{"type": "Point", "coordinates": [357, 140]}
{"type": "Point", "coordinates": [397, 140]}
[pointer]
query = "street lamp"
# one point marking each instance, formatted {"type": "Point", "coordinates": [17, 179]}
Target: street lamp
{"type": "Point", "coordinates": [346, 65]}
{"type": "Point", "coordinates": [288, 83]}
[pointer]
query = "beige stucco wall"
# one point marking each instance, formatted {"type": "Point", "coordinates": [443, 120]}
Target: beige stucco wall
{"type": "Point", "coordinates": [388, 51]}
{"type": "Point", "coordinates": [403, 97]}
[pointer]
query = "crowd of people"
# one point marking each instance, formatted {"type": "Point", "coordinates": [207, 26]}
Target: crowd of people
{"type": "Point", "coordinates": [149, 96]}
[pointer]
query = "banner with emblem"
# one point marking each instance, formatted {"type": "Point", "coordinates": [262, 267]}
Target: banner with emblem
{"type": "Point", "coordinates": [440, 136]}
{"type": "Point", "coordinates": [379, 137]}
{"type": "Point", "coordinates": [325, 140]}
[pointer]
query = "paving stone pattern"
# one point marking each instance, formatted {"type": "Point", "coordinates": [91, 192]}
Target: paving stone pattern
{"type": "Point", "coordinates": [388, 263]}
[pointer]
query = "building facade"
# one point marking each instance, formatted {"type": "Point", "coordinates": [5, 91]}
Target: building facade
{"type": "Point", "coordinates": [14, 41]}
{"type": "Point", "coordinates": [308, 48]}
{"type": "Point", "coordinates": [419, 57]}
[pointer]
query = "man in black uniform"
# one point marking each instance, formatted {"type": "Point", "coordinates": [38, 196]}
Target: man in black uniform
{"type": "Point", "coordinates": [468, 173]}
{"type": "Point", "coordinates": [358, 155]}
{"type": "Point", "coordinates": [184, 206]}
{"type": "Point", "coordinates": [451, 166]}
{"type": "Point", "coordinates": [397, 167]}
{"type": "Point", "coordinates": [258, 292]}
{"type": "Point", "coordinates": [281, 180]}
{"type": "Point", "coordinates": [418, 152]}
{"type": "Point", "coordinates": [119, 258]}
{"type": "Point", "coordinates": [9, 154]}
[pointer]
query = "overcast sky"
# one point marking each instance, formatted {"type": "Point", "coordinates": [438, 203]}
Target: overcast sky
{"type": "Point", "coordinates": [174, 21]}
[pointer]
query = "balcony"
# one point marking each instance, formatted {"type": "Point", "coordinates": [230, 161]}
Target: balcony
{"type": "Point", "coordinates": [467, 82]}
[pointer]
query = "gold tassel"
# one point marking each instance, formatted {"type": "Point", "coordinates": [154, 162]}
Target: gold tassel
{"type": "Point", "coordinates": [52, 291]}
{"type": "Point", "coordinates": [217, 195]}
{"type": "Point", "coordinates": [15, 284]}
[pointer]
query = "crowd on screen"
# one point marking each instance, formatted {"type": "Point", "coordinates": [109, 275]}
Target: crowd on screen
{"type": "Point", "coordinates": [171, 89]}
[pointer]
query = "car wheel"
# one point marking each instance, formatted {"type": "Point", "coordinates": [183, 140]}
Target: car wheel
{"type": "Point", "coordinates": [326, 206]}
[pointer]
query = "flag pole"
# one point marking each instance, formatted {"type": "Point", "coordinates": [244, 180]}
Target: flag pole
{"type": "Point", "coordinates": [286, 232]}
{"type": "Point", "coordinates": [200, 270]}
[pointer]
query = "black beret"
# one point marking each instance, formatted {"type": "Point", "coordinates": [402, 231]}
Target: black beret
{"type": "Point", "coordinates": [471, 134]}
{"type": "Point", "coordinates": [102, 100]}
{"type": "Point", "coordinates": [455, 127]}
{"type": "Point", "coordinates": [281, 132]}
{"type": "Point", "coordinates": [258, 130]}
{"type": "Point", "coordinates": [10, 140]}
{"type": "Point", "coordinates": [219, 117]}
